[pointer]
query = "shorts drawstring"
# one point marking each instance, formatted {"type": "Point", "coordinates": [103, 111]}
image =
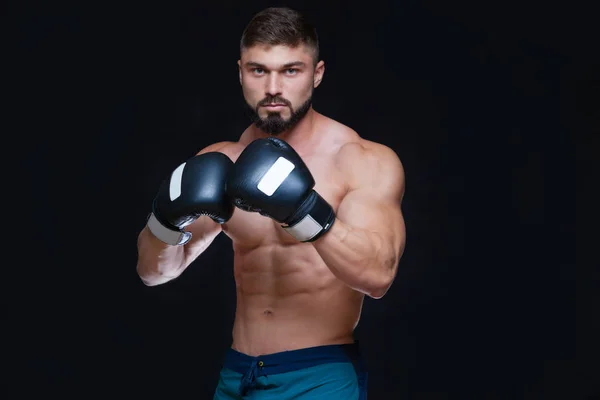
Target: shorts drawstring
{"type": "Point", "coordinates": [250, 376]}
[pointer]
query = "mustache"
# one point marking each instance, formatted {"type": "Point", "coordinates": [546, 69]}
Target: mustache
{"type": "Point", "coordinates": [272, 100]}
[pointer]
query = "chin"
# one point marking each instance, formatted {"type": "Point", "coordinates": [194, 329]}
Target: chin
{"type": "Point", "coordinates": [283, 115]}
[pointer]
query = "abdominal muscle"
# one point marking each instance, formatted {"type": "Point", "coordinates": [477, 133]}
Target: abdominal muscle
{"type": "Point", "coordinates": [288, 299]}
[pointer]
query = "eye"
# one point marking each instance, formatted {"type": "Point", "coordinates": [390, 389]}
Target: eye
{"type": "Point", "coordinates": [258, 71]}
{"type": "Point", "coordinates": [292, 71]}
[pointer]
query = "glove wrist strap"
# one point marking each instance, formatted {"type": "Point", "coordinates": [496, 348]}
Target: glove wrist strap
{"type": "Point", "coordinates": [167, 235]}
{"type": "Point", "coordinates": [317, 220]}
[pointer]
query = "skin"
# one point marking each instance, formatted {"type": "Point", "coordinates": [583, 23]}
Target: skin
{"type": "Point", "coordinates": [293, 295]}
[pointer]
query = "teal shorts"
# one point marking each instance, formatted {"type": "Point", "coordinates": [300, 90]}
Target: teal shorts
{"type": "Point", "coordinates": [324, 372]}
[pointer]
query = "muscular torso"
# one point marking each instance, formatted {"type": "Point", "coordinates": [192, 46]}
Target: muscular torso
{"type": "Point", "coordinates": [287, 298]}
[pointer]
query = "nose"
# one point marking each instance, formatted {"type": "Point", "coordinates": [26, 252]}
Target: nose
{"type": "Point", "coordinates": [273, 85]}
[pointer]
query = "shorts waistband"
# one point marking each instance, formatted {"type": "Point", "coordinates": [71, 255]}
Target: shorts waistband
{"type": "Point", "coordinates": [286, 361]}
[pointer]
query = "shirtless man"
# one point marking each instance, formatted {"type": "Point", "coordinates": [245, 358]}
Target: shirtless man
{"type": "Point", "coordinates": [314, 214]}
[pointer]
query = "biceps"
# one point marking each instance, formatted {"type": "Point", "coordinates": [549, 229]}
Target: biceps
{"type": "Point", "coordinates": [367, 211]}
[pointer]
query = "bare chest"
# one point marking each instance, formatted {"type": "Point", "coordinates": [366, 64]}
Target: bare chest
{"type": "Point", "coordinates": [250, 230]}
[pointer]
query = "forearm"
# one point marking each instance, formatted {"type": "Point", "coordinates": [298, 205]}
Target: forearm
{"type": "Point", "coordinates": [359, 258]}
{"type": "Point", "coordinates": [158, 262]}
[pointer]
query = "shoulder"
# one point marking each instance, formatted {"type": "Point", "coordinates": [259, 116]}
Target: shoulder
{"type": "Point", "coordinates": [230, 149]}
{"type": "Point", "coordinates": [368, 152]}
{"type": "Point", "coordinates": [351, 147]}
{"type": "Point", "coordinates": [369, 155]}
{"type": "Point", "coordinates": [373, 165]}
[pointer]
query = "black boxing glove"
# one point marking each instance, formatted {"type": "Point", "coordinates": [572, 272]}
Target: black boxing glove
{"type": "Point", "coordinates": [194, 188]}
{"type": "Point", "coordinates": [270, 178]}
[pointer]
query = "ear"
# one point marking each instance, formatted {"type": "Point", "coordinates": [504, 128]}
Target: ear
{"type": "Point", "coordinates": [319, 72]}
{"type": "Point", "coordinates": [239, 63]}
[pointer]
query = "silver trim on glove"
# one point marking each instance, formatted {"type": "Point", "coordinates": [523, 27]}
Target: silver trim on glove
{"type": "Point", "coordinates": [166, 235]}
{"type": "Point", "coordinates": [304, 230]}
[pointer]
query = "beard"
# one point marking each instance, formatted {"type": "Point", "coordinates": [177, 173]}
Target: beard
{"type": "Point", "coordinates": [273, 123]}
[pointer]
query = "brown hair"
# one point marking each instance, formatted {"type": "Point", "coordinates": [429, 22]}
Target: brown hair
{"type": "Point", "coordinates": [280, 26]}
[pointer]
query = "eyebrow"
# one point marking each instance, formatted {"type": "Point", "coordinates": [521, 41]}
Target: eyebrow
{"type": "Point", "coordinates": [286, 65]}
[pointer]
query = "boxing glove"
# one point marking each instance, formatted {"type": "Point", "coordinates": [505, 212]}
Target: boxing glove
{"type": "Point", "coordinates": [270, 178]}
{"type": "Point", "coordinates": [194, 188]}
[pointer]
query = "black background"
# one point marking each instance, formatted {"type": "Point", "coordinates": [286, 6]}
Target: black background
{"type": "Point", "coordinates": [484, 104]}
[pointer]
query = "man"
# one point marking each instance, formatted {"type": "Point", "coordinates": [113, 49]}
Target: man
{"type": "Point", "coordinates": [313, 211]}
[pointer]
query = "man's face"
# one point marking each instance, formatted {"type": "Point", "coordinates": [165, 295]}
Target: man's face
{"type": "Point", "coordinates": [278, 83]}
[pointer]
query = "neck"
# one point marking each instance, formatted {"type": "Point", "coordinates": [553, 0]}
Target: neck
{"type": "Point", "coordinates": [300, 135]}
